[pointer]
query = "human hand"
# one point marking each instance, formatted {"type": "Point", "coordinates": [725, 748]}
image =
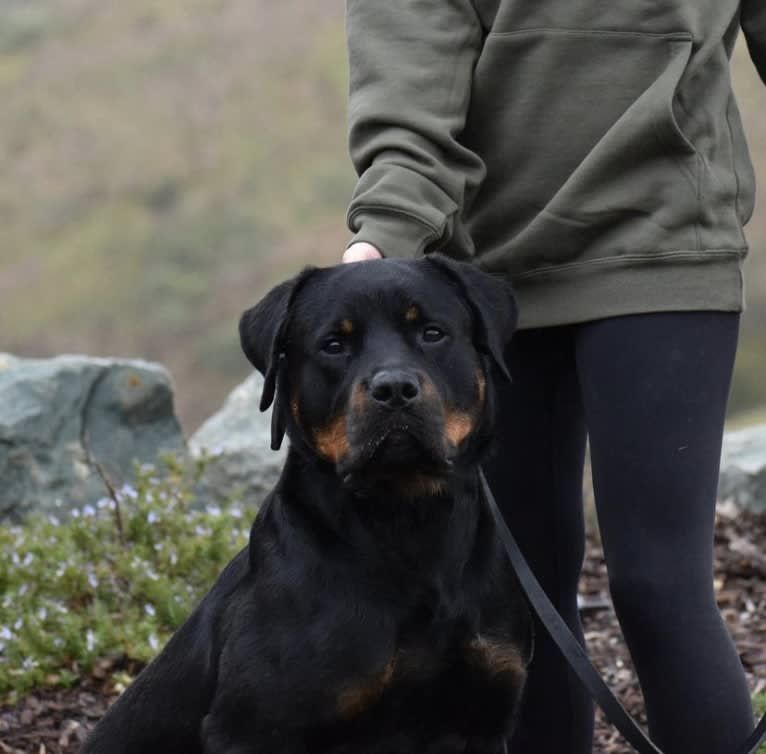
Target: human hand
{"type": "Point", "coordinates": [361, 251]}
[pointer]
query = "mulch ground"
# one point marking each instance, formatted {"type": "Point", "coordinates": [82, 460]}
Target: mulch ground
{"type": "Point", "coordinates": [740, 581]}
{"type": "Point", "coordinates": [56, 722]}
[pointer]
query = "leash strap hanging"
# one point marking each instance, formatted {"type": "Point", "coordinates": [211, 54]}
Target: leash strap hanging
{"type": "Point", "coordinates": [574, 653]}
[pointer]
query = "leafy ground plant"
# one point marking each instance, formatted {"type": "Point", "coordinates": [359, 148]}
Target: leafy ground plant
{"type": "Point", "coordinates": [107, 587]}
{"type": "Point", "coordinates": [759, 703]}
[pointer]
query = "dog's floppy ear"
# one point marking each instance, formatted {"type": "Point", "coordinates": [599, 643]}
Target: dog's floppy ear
{"type": "Point", "coordinates": [262, 331]}
{"type": "Point", "coordinates": [492, 304]}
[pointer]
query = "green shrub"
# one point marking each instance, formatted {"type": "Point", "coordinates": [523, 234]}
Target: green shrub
{"type": "Point", "coordinates": [759, 702]}
{"type": "Point", "coordinates": [109, 585]}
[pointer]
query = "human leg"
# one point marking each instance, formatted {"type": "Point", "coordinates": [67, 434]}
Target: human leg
{"type": "Point", "coordinates": [654, 390]}
{"type": "Point", "coordinates": [535, 473]}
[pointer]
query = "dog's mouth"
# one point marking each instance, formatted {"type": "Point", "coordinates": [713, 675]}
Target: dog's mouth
{"type": "Point", "coordinates": [397, 449]}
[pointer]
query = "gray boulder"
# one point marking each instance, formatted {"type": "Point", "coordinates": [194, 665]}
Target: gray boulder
{"type": "Point", "coordinates": [743, 468]}
{"type": "Point", "coordinates": [237, 444]}
{"type": "Point", "coordinates": [60, 417]}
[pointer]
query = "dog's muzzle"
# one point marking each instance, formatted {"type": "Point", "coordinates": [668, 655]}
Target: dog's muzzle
{"type": "Point", "coordinates": [395, 426]}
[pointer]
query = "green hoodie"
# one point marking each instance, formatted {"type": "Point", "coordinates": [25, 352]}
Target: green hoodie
{"type": "Point", "coordinates": [591, 150]}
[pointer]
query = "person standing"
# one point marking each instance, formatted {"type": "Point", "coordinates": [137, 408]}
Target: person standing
{"type": "Point", "coordinates": [592, 153]}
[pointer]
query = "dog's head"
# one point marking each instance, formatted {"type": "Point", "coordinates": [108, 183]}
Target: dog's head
{"type": "Point", "coordinates": [383, 369]}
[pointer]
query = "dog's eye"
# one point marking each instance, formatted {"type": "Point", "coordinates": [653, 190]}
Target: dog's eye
{"type": "Point", "coordinates": [433, 334]}
{"type": "Point", "coordinates": [333, 346]}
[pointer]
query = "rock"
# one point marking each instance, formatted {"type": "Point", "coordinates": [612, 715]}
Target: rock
{"type": "Point", "coordinates": [743, 468]}
{"type": "Point", "coordinates": [237, 441]}
{"type": "Point", "coordinates": [52, 409]}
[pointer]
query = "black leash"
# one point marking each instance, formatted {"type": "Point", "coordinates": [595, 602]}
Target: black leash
{"type": "Point", "coordinates": [575, 655]}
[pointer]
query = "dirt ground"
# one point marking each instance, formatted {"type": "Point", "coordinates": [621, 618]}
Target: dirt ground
{"type": "Point", "coordinates": [740, 581]}
{"type": "Point", "coordinates": [56, 722]}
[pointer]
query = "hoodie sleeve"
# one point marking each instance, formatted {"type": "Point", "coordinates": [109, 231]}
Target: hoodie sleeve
{"type": "Point", "coordinates": [753, 22]}
{"type": "Point", "coordinates": [411, 66]}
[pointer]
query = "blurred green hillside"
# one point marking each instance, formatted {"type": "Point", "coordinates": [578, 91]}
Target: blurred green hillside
{"type": "Point", "coordinates": [163, 162]}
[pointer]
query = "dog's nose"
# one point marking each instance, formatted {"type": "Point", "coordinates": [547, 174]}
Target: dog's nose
{"type": "Point", "coordinates": [394, 387]}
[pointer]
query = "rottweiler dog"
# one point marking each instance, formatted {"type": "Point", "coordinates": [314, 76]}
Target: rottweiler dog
{"type": "Point", "coordinates": [374, 610]}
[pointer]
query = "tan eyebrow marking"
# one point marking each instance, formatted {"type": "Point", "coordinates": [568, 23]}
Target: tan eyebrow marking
{"type": "Point", "coordinates": [295, 409]}
{"type": "Point", "coordinates": [481, 383]}
{"type": "Point", "coordinates": [412, 313]}
{"type": "Point", "coordinates": [347, 327]}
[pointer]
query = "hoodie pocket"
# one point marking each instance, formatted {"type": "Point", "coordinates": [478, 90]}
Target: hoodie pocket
{"type": "Point", "coordinates": [579, 135]}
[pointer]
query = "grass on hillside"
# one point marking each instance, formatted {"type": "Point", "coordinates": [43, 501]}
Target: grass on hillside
{"type": "Point", "coordinates": [166, 161]}
{"type": "Point", "coordinates": [160, 162]}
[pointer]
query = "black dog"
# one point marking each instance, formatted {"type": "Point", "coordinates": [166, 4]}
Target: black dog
{"type": "Point", "coordinates": [374, 610]}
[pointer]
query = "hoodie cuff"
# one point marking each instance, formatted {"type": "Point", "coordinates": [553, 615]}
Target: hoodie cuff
{"type": "Point", "coordinates": [392, 233]}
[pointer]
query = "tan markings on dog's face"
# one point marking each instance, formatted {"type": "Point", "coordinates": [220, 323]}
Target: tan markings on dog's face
{"type": "Point", "coordinates": [419, 485]}
{"type": "Point", "coordinates": [359, 696]}
{"type": "Point", "coordinates": [347, 327]}
{"type": "Point", "coordinates": [295, 408]}
{"type": "Point", "coordinates": [481, 384]}
{"type": "Point", "coordinates": [412, 314]}
{"type": "Point", "coordinates": [497, 657]}
{"type": "Point", "coordinates": [457, 427]}
{"type": "Point", "coordinates": [332, 442]}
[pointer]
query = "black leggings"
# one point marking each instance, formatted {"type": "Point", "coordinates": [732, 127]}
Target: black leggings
{"type": "Point", "coordinates": [651, 390]}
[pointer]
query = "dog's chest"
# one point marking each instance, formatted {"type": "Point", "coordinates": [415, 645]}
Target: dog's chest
{"type": "Point", "coordinates": [469, 689]}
